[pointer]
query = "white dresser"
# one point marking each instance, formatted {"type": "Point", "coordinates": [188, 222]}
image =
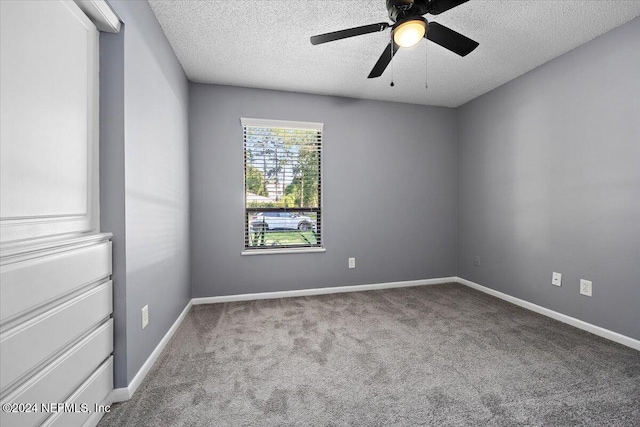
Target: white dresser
{"type": "Point", "coordinates": [56, 294]}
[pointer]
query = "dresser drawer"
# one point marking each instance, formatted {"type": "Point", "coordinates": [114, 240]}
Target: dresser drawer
{"type": "Point", "coordinates": [31, 283]}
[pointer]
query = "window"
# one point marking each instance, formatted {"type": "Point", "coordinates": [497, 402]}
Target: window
{"type": "Point", "coordinates": [282, 184]}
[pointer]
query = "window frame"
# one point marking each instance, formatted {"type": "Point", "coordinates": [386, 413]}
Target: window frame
{"type": "Point", "coordinates": [270, 123]}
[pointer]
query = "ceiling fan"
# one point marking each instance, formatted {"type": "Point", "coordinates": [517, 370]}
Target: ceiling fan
{"type": "Point", "coordinates": [408, 29]}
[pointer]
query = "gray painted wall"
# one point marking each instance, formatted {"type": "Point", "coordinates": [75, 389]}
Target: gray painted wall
{"type": "Point", "coordinates": [549, 180]}
{"type": "Point", "coordinates": [151, 176]}
{"type": "Point", "coordinates": [112, 185]}
{"type": "Point", "coordinates": [389, 192]}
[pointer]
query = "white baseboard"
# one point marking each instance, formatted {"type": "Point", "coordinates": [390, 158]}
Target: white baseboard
{"type": "Point", "coordinates": [580, 324]}
{"type": "Point", "coordinates": [120, 395]}
{"type": "Point", "coordinates": [321, 291]}
{"type": "Point", "coordinates": [125, 393]}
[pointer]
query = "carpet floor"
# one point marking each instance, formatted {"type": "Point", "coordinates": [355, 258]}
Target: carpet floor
{"type": "Point", "coordinates": [443, 355]}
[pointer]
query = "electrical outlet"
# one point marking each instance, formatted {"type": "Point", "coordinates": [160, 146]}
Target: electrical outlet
{"type": "Point", "coordinates": [585, 287]}
{"type": "Point", "coordinates": [556, 279]}
{"type": "Point", "coordinates": [145, 316]}
{"type": "Point", "coordinates": [476, 261]}
{"type": "Point", "coordinates": [352, 263]}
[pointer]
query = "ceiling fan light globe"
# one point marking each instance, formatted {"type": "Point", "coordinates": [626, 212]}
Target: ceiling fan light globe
{"type": "Point", "coordinates": [409, 33]}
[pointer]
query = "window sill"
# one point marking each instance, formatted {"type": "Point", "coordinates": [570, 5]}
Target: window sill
{"type": "Point", "coordinates": [283, 251]}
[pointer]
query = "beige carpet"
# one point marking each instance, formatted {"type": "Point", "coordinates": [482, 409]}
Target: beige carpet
{"type": "Point", "coordinates": [442, 355]}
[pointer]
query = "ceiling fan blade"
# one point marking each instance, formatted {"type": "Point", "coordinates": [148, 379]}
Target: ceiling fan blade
{"type": "Point", "coordinates": [449, 39]}
{"type": "Point", "coordinates": [351, 32]}
{"type": "Point", "coordinates": [436, 7]}
{"type": "Point", "coordinates": [383, 61]}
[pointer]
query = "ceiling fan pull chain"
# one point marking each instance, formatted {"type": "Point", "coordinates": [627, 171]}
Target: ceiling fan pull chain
{"type": "Point", "coordinates": [391, 47]}
{"type": "Point", "coordinates": [426, 65]}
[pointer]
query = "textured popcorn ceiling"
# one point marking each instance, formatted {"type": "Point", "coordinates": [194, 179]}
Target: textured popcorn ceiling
{"type": "Point", "coordinates": [265, 44]}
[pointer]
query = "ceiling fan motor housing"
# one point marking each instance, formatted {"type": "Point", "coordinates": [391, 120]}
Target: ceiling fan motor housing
{"type": "Point", "coordinates": [400, 9]}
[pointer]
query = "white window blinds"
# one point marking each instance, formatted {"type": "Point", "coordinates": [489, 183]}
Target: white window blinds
{"type": "Point", "coordinates": [282, 184]}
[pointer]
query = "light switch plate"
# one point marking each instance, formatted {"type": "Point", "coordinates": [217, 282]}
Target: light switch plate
{"type": "Point", "coordinates": [556, 279]}
{"type": "Point", "coordinates": [352, 263]}
{"type": "Point", "coordinates": [585, 287]}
